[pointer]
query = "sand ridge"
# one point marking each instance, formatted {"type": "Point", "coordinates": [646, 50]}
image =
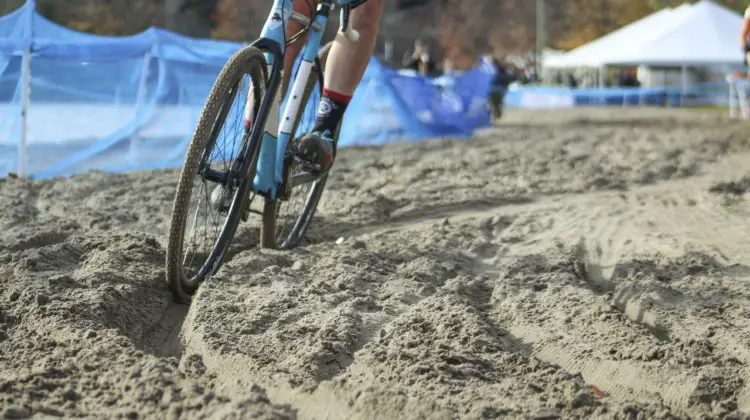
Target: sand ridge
{"type": "Point", "coordinates": [568, 264]}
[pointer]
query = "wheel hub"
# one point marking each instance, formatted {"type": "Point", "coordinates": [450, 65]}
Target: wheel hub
{"type": "Point", "coordinates": [220, 198]}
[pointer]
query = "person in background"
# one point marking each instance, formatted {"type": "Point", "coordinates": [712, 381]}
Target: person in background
{"type": "Point", "coordinates": [627, 78]}
{"type": "Point", "coordinates": [499, 87]}
{"type": "Point", "coordinates": [531, 74]}
{"type": "Point", "coordinates": [572, 81]}
{"type": "Point", "coordinates": [522, 74]}
{"type": "Point", "coordinates": [419, 59]}
{"type": "Point", "coordinates": [446, 80]}
{"type": "Point", "coordinates": [745, 38]}
{"type": "Point", "coordinates": [448, 68]}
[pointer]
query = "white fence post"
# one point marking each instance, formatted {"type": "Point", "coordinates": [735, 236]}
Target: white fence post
{"type": "Point", "coordinates": [26, 88]}
{"type": "Point", "coordinates": [140, 98]}
{"type": "Point", "coordinates": [25, 93]}
{"type": "Point", "coordinates": [141, 94]}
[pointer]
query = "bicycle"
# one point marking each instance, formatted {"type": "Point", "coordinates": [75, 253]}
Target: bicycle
{"type": "Point", "coordinates": [265, 164]}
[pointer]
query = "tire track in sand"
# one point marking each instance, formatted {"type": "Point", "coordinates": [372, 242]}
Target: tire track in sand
{"type": "Point", "coordinates": [606, 239]}
{"type": "Point", "coordinates": [720, 225]}
{"type": "Point", "coordinates": [163, 338]}
{"type": "Point", "coordinates": [576, 333]}
{"type": "Point", "coordinates": [621, 300]}
{"type": "Point", "coordinates": [566, 281]}
{"type": "Point", "coordinates": [234, 373]}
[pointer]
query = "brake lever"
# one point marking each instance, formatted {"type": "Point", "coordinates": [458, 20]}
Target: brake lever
{"type": "Point", "coordinates": [346, 29]}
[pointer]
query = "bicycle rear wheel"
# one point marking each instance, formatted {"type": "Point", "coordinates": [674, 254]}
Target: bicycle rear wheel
{"type": "Point", "coordinates": [221, 191]}
{"type": "Point", "coordinates": [284, 229]}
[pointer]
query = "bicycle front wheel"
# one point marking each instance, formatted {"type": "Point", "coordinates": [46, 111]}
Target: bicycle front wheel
{"type": "Point", "coordinates": [211, 194]}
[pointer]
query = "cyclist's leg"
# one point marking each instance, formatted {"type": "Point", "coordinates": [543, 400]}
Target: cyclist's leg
{"type": "Point", "coordinates": [346, 64]}
{"type": "Point", "coordinates": [347, 60]}
{"type": "Point", "coordinates": [307, 8]}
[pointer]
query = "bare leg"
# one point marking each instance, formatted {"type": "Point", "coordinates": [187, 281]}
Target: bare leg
{"type": "Point", "coordinates": [307, 8]}
{"type": "Point", "coordinates": [347, 60]}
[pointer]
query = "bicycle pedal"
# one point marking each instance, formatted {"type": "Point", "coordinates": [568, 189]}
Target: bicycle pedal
{"type": "Point", "coordinates": [310, 166]}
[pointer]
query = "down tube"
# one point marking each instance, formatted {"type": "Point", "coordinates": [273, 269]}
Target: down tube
{"type": "Point", "coordinates": [275, 30]}
{"type": "Point", "coordinates": [294, 101]}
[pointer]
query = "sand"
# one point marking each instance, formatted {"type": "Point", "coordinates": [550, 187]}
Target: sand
{"type": "Point", "coordinates": [567, 264]}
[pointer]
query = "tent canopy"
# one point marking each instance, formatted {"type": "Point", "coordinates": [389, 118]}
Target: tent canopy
{"type": "Point", "coordinates": [704, 33]}
{"type": "Point", "coordinates": [592, 53]}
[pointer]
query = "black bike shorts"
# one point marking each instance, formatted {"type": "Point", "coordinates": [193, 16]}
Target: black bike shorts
{"type": "Point", "coordinates": [356, 3]}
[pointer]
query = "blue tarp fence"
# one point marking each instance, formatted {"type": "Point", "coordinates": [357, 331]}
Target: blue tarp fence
{"type": "Point", "coordinates": [708, 93]}
{"type": "Point", "coordinates": [72, 102]}
{"type": "Point", "coordinates": [131, 103]}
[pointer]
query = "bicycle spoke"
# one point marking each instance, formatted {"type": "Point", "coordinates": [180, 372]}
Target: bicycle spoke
{"type": "Point", "coordinates": [209, 212]}
{"type": "Point", "coordinates": [289, 212]}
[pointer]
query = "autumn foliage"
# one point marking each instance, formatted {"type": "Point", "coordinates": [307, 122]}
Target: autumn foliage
{"type": "Point", "coordinates": [459, 29]}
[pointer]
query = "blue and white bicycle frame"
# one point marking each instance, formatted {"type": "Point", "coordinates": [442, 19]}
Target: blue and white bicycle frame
{"type": "Point", "coordinates": [277, 132]}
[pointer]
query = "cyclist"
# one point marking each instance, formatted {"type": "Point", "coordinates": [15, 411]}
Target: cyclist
{"type": "Point", "coordinates": [343, 71]}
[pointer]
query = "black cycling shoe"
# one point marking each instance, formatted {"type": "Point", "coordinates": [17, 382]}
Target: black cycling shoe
{"type": "Point", "coordinates": [316, 151]}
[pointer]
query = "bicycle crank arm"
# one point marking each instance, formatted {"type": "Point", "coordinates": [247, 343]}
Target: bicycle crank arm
{"type": "Point", "coordinates": [303, 178]}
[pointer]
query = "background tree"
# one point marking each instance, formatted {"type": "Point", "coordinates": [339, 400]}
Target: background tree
{"type": "Point", "coordinates": [459, 29]}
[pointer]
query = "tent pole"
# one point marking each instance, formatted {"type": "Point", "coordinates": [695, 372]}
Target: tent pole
{"type": "Point", "coordinates": [640, 87]}
{"type": "Point", "coordinates": [683, 85]}
{"type": "Point", "coordinates": [540, 37]}
{"type": "Point", "coordinates": [25, 93]}
{"type": "Point", "coordinates": [602, 84]}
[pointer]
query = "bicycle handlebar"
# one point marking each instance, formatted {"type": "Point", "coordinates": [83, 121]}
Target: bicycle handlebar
{"type": "Point", "coordinates": [346, 29]}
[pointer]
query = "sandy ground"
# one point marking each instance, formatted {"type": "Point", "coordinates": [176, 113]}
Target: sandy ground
{"type": "Point", "coordinates": [573, 264]}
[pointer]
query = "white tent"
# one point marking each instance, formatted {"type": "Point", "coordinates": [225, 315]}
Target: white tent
{"type": "Point", "coordinates": [706, 34]}
{"type": "Point", "coordinates": [596, 53]}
